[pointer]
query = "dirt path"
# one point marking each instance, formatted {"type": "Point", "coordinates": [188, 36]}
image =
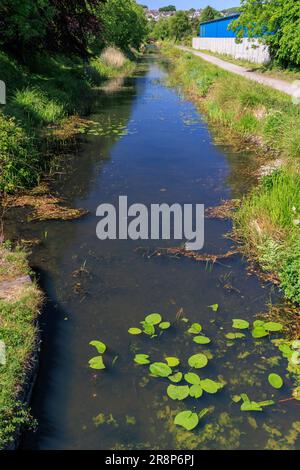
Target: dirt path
{"type": "Point", "coordinates": [277, 84]}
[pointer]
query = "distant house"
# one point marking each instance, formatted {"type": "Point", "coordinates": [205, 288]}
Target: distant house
{"type": "Point", "coordinates": [216, 36]}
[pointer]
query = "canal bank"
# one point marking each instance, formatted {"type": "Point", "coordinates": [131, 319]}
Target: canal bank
{"type": "Point", "coordinates": [152, 145]}
{"type": "Point", "coordinates": [268, 122]}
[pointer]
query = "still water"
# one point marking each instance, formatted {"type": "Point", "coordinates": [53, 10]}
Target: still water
{"type": "Point", "coordinates": [152, 145]}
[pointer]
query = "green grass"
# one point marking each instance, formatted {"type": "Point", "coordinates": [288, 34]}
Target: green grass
{"type": "Point", "coordinates": [270, 69]}
{"type": "Point", "coordinates": [268, 221]}
{"type": "Point", "coordinates": [18, 331]}
{"type": "Point", "coordinates": [42, 94]}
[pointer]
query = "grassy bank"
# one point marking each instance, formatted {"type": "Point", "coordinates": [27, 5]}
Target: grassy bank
{"type": "Point", "coordinates": [270, 70]}
{"type": "Point", "coordinates": [20, 300]}
{"type": "Point", "coordinates": [268, 221]}
{"type": "Point", "coordinates": [40, 97]}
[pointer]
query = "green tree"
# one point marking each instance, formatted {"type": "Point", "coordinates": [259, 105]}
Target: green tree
{"type": "Point", "coordinates": [124, 23]}
{"type": "Point", "coordinates": [162, 29]}
{"type": "Point", "coordinates": [277, 23]}
{"type": "Point", "coordinates": [168, 8]}
{"type": "Point", "coordinates": [209, 14]}
{"type": "Point", "coordinates": [180, 25]}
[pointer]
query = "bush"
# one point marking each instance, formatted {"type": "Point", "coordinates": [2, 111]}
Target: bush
{"type": "Point", "coordinates": [18, 157]}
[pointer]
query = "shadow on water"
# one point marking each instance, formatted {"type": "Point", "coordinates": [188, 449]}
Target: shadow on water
{"type": "Point", "coordinates": [150, 144]}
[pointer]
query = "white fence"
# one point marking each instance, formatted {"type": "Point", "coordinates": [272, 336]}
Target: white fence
{"type": "Point", "coordinates": [250, 50]}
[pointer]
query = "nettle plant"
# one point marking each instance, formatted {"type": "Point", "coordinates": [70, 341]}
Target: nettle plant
{"type": "Point", "coordinates": [183, 380]}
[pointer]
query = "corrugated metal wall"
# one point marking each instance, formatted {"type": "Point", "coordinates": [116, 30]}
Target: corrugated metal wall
{"type": "Point", "coordinates": [218, 28]}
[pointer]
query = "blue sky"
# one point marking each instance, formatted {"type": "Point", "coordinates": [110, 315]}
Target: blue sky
{"type": "Point", "coordinates": [186, 4]}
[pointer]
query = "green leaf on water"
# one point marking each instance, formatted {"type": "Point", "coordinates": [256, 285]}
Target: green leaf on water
{"type": "Point", "coordinates": [134, 331]}
{"type": "Point", "coordinates": [197, 361]}
{"type": "Point", "coordinates": [273, 326]}
{"type": "Point", "coordinates": [187, 419]}
{"type": "Point", "coordinates": [164, 325]}
{"type": "Point", "coordinates": [175, 378]}
{"type": "Point", "coordinates": [101, 347]}
{"type": "Point", "coordinates": [250, 406]}
{"type": "Point", "coordinates": [192, 378]}
{"type": "Point", "coordinates": [172, 361]}
{"type": "Point", "coordinates": [235, 335]}
{"type": "Point", "coordinates": [160, 369]}
{"type": "Point", "coordinates": [148, 328]}
{"type": "Point", "coordinates": [275, 381]}
{"type": "Point", "coordinates": [201, 340]}
{"type": "Point", "coordinates": [195, 329]}
{"type": "Point", "coordinates": [196, 391]}
{"type": "Point", "coordinates": [97, 363]}
{"type": "Point", "coordinates": [203, 413]}
{"type": "Point", "coordinates": [240, 324]}
{"type": "Point", "coordinates": [214, 307]}
{"type": "Point", "coordinates": [210, 386]}
{"type": "Point", "coordinates": [141, 359]}
{"type": "Point", "coordinates": [259, 332]}
{"type": "Point", "coordinates": [153, 318]}
{"type": "Point", "coordinates": [178, 392]}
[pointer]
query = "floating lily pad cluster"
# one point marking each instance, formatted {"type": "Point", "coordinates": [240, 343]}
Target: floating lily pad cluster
{"type": "Point", "coordinates": [148, 325]}
{"type": "Point", "coordinates": [97, 361]}
{"type": "Point", "coordinates": [188, 383]}
{"type": "Point", "coordinates": [260, 328]}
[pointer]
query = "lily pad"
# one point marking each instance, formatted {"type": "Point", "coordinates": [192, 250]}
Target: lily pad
{"type": "Point", "coordinates": [135, 331]}
{"type": "Point", "coordinates": [197, 361]}
{"type": "Point", "coordinates": [142, 359]}
{"type": "Point", "coordinates": [210, 386]}
{"type": "Point", "coordinates": [97, 363]}
{"type": "Point", "coordinates": [240, 324]}
{"type": "Point", "coordinates": [235, 335]}
{"type": "Point", "coordinates": [101, 347]}
{"type": "Point", "coordinates": [172, 361]}
{"type": "Point", "coordinates": [214, 307]}
{"type": "Point", "coordinates": [187, 419]}
{"type": "Point", "coordinates": [160, 369]}
{"type": "Point", "coordinates": [201, 340]}
{"type": "Point", "coordinates": [178, 392]}
{"type": "Point", "coordinates": [175, 378]}
{"type": "Point", "coordinates": [192, 378]}
{"type": "Point", "coordinates": [273, 326]}
{"type": "Point", "coordinates": [196, 391]}
{"type": "Point", "coordinates": [148, 328]}
{"type": "Point", "coordinates": [259, 332]}
{"type": "Point", "coordinates": [195, 329]}
{"type": "Point", "coordinates": [275, 381]}
{"type": "Point", "coordinates": [164, 325]}
{"type": "Point", "coordinates": [153, 318]}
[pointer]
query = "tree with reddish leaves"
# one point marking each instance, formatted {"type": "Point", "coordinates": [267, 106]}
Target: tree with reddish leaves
{"type": "Point", "coordinates": [73, 24]}
{"type": "Point", "coordinates": [63, 26]}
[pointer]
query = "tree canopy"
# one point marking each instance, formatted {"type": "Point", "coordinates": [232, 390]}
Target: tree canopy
{"type": "Point", "coordinates": [70, 26]}
{"type": "Point", "coordinates": [208, 14]}
{"type": "Point", "coordinates": [124, 23]}
{"type": "Point", "coordinates": [168, 8]}
{"type": "Point", "coordinates": [277, 23]}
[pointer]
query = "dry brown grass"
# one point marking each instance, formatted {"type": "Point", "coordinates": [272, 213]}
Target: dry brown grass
{"type": "Point", "coordinates": [113, 57]}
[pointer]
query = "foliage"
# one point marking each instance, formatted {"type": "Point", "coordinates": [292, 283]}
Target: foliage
{"type": "Point", "coordinates": [177, 27]}
{"type": "Point", "coordinates": [208, 14]}
{"type": "Point", "coordinates": [168, 8]}
{"type": "Point", "coordinates": [55, 25]}
{"type": "Point", "coordinates": [124, 23]}
{"type": "Point", "coordinates": [277, 22]}
{"type": "Point", "coordinates": [19, 332]}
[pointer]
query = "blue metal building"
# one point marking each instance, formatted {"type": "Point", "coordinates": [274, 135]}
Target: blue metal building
{"type": "Point", "coordinates": [218, 28]}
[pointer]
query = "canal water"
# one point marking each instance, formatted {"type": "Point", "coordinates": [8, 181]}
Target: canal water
{"type": "Point", "coordinates": [149, 143]}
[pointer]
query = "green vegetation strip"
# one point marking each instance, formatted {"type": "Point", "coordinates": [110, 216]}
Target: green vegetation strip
{"type": "Point", "coordinates": [268, 221]}
{"type": "Point", "coordinates": [19, 308]}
